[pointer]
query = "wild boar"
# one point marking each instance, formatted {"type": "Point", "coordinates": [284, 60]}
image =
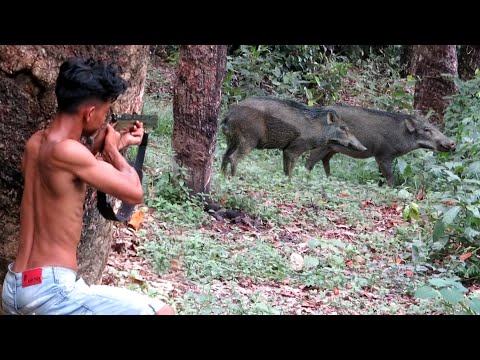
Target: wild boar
{"type": "Point", "coordinates": [269, 123]}
{"type": "Point", "coordinates": [386, 135]}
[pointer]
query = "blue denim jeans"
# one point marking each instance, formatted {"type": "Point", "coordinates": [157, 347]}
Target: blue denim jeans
{"type": "Point", "coordinates": [61, 292]}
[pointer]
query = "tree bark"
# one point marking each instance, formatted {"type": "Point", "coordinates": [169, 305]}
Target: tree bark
{"type": "Point", "coordinates": [406, 60]}
{"type": "Point", "coordinates": [468, 61]}
{"type": "Point", "coordinates": [27, 104]}
{"type": "Point", "coordinates": [431, 61]}
{"type": "Point", "coordinates": [196, 104]}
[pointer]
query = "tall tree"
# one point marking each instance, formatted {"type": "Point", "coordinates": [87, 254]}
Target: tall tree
{"type": "Point", "coordinates": [406, 60]}
{"type": "Point", "coordinates": [430, 62]}
{"type": "Point", "coordinates": [196, 104]}
{"type": "Point", "coordinates": [27, 104]}
{"type": "Point", "coordinates": [468, 61]}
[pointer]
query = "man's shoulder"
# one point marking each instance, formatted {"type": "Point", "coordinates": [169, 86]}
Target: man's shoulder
{"type": "Point", "coordinates": [35, 139]}
{"type": "Point", "coordinates": [69, 146]}
{"type": "Point", "coordinates": [71, 151]}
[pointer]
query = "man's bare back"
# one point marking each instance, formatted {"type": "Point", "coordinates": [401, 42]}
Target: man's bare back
{"type": "Point", "coordinates": [52, 208]}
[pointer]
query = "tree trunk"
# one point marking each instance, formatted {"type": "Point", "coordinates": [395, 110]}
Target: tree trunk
{"type": "Point", "coordinates": [406, 60]}
{"type": "Point", "coordinates": [468, 61]}
{"type": "Point", "coordinates": [196, 103]}
{"type": "Point", "coordinates": [27, 104]}
{"type": "Point", "coordinates": [431, 61]}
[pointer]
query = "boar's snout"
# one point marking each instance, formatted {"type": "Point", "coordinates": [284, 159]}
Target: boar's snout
{"type": "Point", "coordinates": [448, 146]}
{"type": "Point", "coordinates": [356, 145]}
{"type": "Point", "coordinates": [362, 148]}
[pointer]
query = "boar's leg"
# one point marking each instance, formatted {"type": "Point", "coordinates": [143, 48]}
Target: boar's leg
{"type": "Point", "coordinates": [243, 149]}
{"type": "Point", "coordinates": [319, 154]}
{"type": "Point", "coordinates": [385, 166]}
{"type": "Point", "coordinates": [326, 162]}
{"type": "Point", "coordinates": [291, 155]}
{"type": "Point", "coordinates": [315, 156]}
{"type": "Point", "coordinates": [289, 159]}
{"type": "Point", "coordinates": [227, 158]}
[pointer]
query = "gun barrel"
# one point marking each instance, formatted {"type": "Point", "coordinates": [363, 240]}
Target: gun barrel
{"type": "Point", "coordinates": [125, 120]}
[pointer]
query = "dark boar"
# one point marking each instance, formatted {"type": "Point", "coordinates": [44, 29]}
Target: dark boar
{"type": "Point", "coordinates": [386, 135]}
{"type": "Point", "coordinates": [269, 123]}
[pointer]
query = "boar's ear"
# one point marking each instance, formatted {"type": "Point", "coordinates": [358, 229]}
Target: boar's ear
{"type": "Point", "coordinates": [410, 123]}
{"type": "Point", "coordinates": [331, 117]}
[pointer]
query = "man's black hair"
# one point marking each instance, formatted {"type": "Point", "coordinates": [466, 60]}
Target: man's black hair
{"type": "Point", "coordinates": [86, 79]}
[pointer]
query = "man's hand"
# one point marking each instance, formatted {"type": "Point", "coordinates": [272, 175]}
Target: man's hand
{"type": "Point", "coordinates": [98, 141]}
{"type": "Point", "coordinates": [110, 146]}
{"type": "Point", "coordinates": [131, 135]}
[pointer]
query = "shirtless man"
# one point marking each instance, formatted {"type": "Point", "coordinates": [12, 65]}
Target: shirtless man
{"type": "Point", "coordinates": [57, 168]}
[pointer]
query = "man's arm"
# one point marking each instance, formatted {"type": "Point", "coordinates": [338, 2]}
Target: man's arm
{"type": "Point", "coordinates": [130, 135]}
{"type": "Point", "coordinates": [125, 137]}
{"type": "Point", "coordinates": [113, 176]}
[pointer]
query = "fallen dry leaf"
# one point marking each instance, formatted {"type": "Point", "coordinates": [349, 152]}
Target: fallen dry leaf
{"type": "Point", "coordinates": [296, 261]}
{"type": "Point", "coordinates": [465, 256]}
{"type": "Point", "coordinates": [421, 194]}
{"type": "Point", "coordinates": [136, 220]}
{"type": "Point", "coordinates": [287, 293]}
{"type": "Point", "coordinates": [175, 264]}
{"type": "Point", "coordinates": [366, 203]}
{"type": "Point", "coordinates": [308, 303]}
{"type": "Point", "coordinates": [360, 260]}
{"type": "Point", "coordinates": [292, 229]}
{"type": "Point", "coordinates": [138, 279]}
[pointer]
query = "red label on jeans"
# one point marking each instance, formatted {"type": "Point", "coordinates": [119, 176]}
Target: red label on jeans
{"type": "Point", "coordinates": [32, 277]}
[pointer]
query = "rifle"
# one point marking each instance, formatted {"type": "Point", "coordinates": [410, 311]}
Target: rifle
{"type": "Point", "coordinates": [124, 120]}
{"type": "Point", "coordinates": [121, 121]}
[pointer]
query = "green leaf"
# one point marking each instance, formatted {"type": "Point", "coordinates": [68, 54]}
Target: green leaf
{"type": "Point", "coordinates": [414, 211]}
{"type": "Point", "coordinates": [474, 210]}
{"type": "Point", "coordinates": [310, 261]}
{"type": "Point", "coordinates": [338, 243]}
{"type": "Point", "coordinates": [261, 307]}
{"type": "Point", "coordinates": [458, 285]}
{"type": "Point", "coordinates": [411, 211]}
{"type": "Point", "coordinates": [336, 259]}
{"type": "Point", "coordinates": [313, 243]}
{"type": "Point", "coordinates": [452, 296]}
{"type": "Point", "coordinates": [426, 292]}
{"type": "Point", "coordinates": [452, 176]}
{"type": "Point", "coordinates": [450, 215]}
{"type": "Point", "coordinates": [402, 165]}
{"type": "Point", "coordinates": [308, 93]}
{"type": "Point", "coordinates": [453, 164]}
{"type": "Point", "coordinates": [471, 234]}
{"type": "Point", "coordinates": [403, 194]}
{"type": "Point", "coordinates": [438, 231]}
{"type": "Point", "coordinates": [475, 305]}
{"type": "Point", "coordinates": [439, 282]}
{"type": "Point", "coordinates": [474, 167]}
